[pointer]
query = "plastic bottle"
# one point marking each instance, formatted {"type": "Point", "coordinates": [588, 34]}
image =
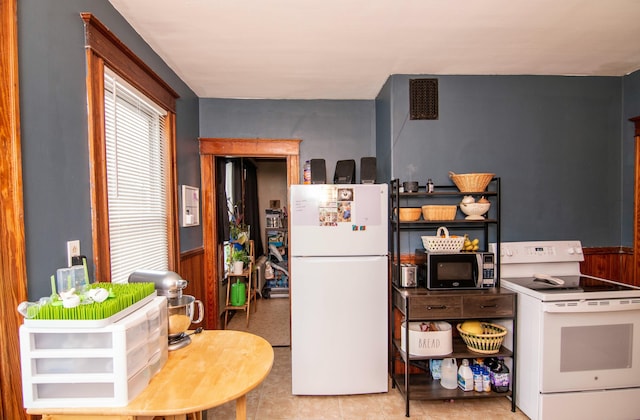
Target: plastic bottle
{"type": "Point", "coordinates": [486, 379]}
{"type": "Point", "coordinates": [477, 378]}
{"type": "Point", "coordinates": [307, 172]}
{"type": "Point", "coordinates": [449, 372]}
{"type": "Point", "coordinates": [435, 366]}
{"type": "Point", "coordinates": [500, 382]}
{"type": "Point", "coordinates": [465, 376]}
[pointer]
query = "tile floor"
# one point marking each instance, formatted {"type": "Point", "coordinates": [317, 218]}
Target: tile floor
{"type": "Point", "coordinates": [272, 400]}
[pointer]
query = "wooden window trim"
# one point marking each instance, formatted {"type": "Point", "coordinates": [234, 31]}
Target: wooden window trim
{"type": "Point", "coordinates": [123, 61]}
{"type": "Point", "coordinates": [103, 48]}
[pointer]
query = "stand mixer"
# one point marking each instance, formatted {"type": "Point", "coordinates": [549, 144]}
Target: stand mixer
{"type": "Point", "coordinates": [180, 307]}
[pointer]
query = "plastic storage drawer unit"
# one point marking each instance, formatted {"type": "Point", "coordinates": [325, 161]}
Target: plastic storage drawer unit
{"type": "Point", "coordinates": [105, 366]}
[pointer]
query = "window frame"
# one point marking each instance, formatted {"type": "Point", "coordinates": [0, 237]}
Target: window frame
{"type": "Point", "coordinates": [103, 48]}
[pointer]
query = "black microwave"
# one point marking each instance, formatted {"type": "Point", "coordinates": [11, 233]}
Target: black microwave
{"type": "Point", "coordinates": [460, 270]}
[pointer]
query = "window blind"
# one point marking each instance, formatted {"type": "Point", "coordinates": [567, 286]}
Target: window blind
{"type": "Point", "coordinates": [136, 180]}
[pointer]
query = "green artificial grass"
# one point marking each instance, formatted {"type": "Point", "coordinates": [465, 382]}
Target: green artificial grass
{"type": "Point", "coordinates": [121, 296]}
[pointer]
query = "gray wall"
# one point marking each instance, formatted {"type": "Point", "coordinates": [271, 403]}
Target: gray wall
{"type": "Point", "coordinates": [631, 108]}
{"type": "Point", "coordinates": [54, 130]}
{"type": "Point", "coordinates": [330, 130]}
{"type": "Point", "coordinates": [384, 125]}
{"type": "Point", "coordinates": [563, 146]}
{"type": "Point", "coordinates": [554, 141]}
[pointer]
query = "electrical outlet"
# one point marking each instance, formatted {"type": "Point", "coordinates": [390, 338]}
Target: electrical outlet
{"type": "Point", "coordinates": [73, 250]}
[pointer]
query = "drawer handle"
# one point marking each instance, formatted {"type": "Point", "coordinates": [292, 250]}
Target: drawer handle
{"type": "Point", "coordinates": [436, 307]}
{"type": "Point", "coordinates": [488, 306]}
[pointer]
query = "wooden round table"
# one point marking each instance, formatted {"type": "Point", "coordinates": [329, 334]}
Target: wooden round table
{"type": "Point", "coordinates": [217, 367]}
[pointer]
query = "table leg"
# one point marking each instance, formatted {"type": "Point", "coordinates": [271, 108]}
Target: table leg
{"type": "Point", "coordinates": [241, 407]}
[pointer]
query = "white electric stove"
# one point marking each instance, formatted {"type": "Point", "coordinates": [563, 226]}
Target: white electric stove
{"type": "Point", "coordinates": [578, 336]}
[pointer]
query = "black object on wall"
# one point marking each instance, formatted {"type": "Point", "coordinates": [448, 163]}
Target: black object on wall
{"type": "Point", "coordinates": [368, 170]}
{"type": "Point", "coordinates": [318, 171]}
{"type": "Point", "coordinates": [345, 172]}
{"type": "Point", "coordinates": [252, 215]}
{"type": "Point", "coordinates": [423, 99]}
{"type": "Point", "coordinates": [222, 209]}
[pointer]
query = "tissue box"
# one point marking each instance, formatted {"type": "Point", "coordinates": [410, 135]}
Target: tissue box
{"type": "Point", "coordinates": [427, 343]}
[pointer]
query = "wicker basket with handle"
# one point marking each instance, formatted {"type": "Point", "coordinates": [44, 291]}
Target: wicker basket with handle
{"type": "Point", "coordinates": [442, 242]}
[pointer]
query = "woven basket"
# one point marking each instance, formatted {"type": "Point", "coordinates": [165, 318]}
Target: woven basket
{"type": "Point", "coordinates": [487, 343]}
{"type": "Point", "coordinates": [439, 212]}
{"type": "Point", "coordinates": [409, 214]}
{"type": "Point", "coordinates": [442, 244]}
{"type": "Point", "coordinates": [476, 182]}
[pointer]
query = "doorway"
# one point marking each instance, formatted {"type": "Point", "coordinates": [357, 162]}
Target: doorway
{"type": "Point", "coordinates": [210, 148]}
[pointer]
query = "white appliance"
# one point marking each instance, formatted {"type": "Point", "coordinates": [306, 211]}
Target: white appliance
{"type": "Point", "coordinates": [339, 288]}
{"type": "Point", "coordinates": [578, 337]}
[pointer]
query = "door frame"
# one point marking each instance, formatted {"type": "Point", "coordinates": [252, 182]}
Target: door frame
{"type": "Point", "coordinates": [210, 148]}
{"type": "Point", "coordinates": [13, 269]}
{"type": "Point", "coordinates": [636, 205]}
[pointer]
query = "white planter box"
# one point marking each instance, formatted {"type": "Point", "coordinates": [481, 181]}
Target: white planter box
{"type": "Point", "coordinates": [427, 343]}
{"type": "Point", "coordinates": [93, 367]}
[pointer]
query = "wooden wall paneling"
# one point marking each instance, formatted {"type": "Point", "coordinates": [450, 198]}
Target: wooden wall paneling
{"type": "Point", "coordinates": [13, 271]}
{"type": "Point", "coordinates": [396, 358]}
{"type": "Point", "coordinates": [612, 263]}
{"type": "Point", "coordinates": [192, 270]}
{"type": "Point", "coordinates": [626, 268]}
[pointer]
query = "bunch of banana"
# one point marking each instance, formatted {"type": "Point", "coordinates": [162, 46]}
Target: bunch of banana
{"type": "Point", "coordinates": [470, 244]}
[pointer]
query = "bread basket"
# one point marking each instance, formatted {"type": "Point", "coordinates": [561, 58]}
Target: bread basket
{"type": "Point", "coordinates": [442, 244]}
{"type": "Point", "coordinates": [473, 182]}
{"type": "Point", "coordinates": [488, 342]}
{"type": "Point", "coordinates": [409, 214]}
{"type": "Point", "coordinates": [439, 212]}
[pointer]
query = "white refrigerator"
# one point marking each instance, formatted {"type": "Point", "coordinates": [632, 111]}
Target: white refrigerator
{"type": "Point", "coordinates": [339, 288]}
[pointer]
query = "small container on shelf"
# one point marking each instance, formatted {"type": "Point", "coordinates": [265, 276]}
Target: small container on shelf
{"type": "Point", "coordinates": [487, 342]}
{"type": "Point", "coordinates": [472, 182]}
{"type": "Point", "coordinates": [409, 214]}
{"type": "Point", "coordinates": [439, 212]}
{"type": "Point", "coordinates": [442, 242]}
{"type": "Point", "coordinates": [435, 340]}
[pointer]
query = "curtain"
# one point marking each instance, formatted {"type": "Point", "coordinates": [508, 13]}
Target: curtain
{"type": "Point", "coordinates": [251, 205]}
{"type": "Point", "coordinates": [244, 184]}
{"type": "Point", "coordinates": [222, 216]}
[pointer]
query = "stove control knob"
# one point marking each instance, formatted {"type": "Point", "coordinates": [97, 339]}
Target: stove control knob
{"type": "Point", "coordinates": [570, 251]}
{"type": "Point", "coordinates": [578, 250]}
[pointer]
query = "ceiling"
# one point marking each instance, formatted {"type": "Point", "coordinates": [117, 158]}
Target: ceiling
{"type": "Point", "coordinates": [346, 49]}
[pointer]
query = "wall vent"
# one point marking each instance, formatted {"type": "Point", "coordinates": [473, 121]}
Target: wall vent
{"type": "Point", "coordinates": [423, 99]}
